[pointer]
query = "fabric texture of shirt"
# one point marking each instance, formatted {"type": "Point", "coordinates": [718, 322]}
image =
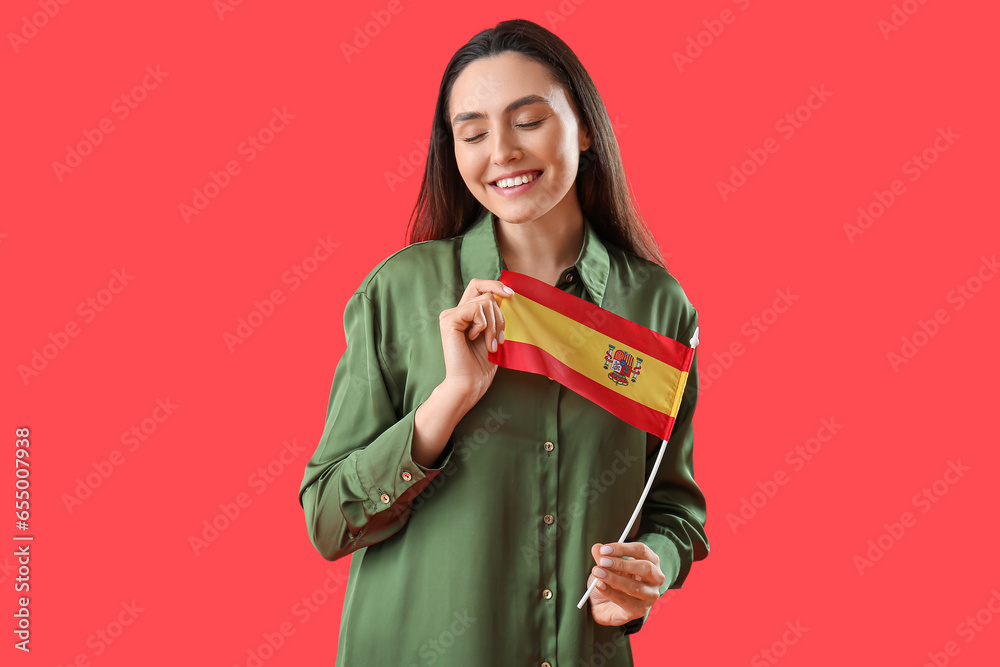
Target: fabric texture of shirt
{"type": "Point", "coordinates": [481, 558]}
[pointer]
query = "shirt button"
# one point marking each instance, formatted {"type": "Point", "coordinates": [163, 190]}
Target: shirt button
{"type": "Point", "coordinates": [549, 446]}
{"type": "Point", "coordinates": [549, 519]}
{"type": "Point", "coordinates": [385, 498]}
{"type": "Point", "coordinates": [546, 664]}
{"type": "Point", "coordinates": [569, 277]}
{"type": "Point", "coordinates": [407, 476]}
{"type": "Point", "coordinates": [547, 594]}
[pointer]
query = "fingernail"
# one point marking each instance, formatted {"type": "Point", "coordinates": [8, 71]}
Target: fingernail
{"type": "Point", "coordinates": [598, 572]}
{"type": "Point", "coordinates": [607, 550]}
{"type": "Point", "coordinates": [601, 584]}
{"type": "Point", "coordinates": [508, 290]}
{"type": "Point", "coordinates": [607, 562]}
{"type": "Point", "coordinates": [501, 336]}
{"type": "Point", "coordinates": [494, 344]}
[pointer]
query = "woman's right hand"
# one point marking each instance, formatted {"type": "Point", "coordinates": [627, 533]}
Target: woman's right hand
{"type": "Point", "coordinates": [469, 331]}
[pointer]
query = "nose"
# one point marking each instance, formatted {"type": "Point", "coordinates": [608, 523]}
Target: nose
{"type": "Point", "coordinates": [505, 146]}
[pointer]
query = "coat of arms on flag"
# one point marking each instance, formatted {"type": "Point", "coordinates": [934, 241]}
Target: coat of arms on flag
{"type": "Point", "coordinates": [623, 365]}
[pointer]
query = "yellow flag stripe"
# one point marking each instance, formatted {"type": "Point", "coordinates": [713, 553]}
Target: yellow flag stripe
{"type": "Point", "coordinates": [659, 385]}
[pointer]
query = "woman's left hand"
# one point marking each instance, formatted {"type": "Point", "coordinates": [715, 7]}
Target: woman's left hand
{"type": "Point", "coordinates": [629, 586]}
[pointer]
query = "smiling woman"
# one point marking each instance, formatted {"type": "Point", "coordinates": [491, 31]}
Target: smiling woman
{"type": "Point", "coordinates": [479, 502]}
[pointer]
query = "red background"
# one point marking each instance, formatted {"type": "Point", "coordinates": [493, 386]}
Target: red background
{"type": "Point", "coordinates": [680, 130]}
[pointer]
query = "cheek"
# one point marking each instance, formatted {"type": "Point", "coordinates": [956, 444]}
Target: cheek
{"type": "Point", "coordinates": [561, 153]}
{"type": "Point", "coordinates": [466, 166]}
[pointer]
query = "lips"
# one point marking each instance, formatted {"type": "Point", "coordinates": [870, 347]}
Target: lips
{"type": "Point", "coordinates": [520, 189]}
{"type": "Point", "coordinates": [535, 172]}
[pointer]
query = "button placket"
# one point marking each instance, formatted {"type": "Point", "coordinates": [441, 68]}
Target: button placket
{"type": "Point", "coordinates": [547, 510]}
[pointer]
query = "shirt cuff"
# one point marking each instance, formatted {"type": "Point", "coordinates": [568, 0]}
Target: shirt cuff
{"type": "Point", "coordinates": [387, 472]}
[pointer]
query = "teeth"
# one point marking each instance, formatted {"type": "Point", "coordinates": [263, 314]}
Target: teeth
{"type": "Point", "coordinates": [517, 180]}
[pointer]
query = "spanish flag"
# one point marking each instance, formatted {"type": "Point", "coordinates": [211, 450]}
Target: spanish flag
{"type": "Point", "coordinates": [631, 371]}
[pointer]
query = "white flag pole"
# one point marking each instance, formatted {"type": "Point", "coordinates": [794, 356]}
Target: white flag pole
{"type": "Point", "coordinates": [649, 483]}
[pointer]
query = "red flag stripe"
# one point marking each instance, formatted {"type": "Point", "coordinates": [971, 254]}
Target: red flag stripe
{"type": "Point", "coordinates": [533, 359]}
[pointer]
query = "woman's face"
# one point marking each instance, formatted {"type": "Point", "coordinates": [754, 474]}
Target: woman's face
{"type": "Point", "coordinates": [509, 118]}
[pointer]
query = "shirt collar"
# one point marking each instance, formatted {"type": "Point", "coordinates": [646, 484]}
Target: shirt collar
{"type": "Point", "coordinates": [481, 256]}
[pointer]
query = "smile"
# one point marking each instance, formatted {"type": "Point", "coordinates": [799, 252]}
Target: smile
{"type": "Point", "coordinates": [516, 185]}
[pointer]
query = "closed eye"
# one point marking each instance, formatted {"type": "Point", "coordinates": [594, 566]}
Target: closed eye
{"type": "Point", "coordinates": [471, 139]}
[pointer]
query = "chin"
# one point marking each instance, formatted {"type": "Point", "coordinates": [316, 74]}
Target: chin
{"type": "Point", "coordinates": [520, 213]}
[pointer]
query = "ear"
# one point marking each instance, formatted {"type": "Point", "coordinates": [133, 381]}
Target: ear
{"type": "Point", "coordinates": [584, 137]}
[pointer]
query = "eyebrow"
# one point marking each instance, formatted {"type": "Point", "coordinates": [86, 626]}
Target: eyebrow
{"type": "Point", "coordinates": [513, 106]}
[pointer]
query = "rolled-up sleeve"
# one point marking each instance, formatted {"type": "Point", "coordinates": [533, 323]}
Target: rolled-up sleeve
{"type": "Point", "coordinates": [358, 485]}
{"type": "Point", "coordinates": [673, 516]}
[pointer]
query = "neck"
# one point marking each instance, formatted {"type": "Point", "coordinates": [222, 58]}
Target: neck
{"type": "Point", "coordinates": [543, 247]}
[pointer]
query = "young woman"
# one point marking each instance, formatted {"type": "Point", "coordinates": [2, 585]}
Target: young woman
{"type": "Point", "coordinates": [480, 502]}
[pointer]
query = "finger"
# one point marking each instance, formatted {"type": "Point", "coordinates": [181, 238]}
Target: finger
{"type": "Point", "coordinates": [496, 304]}
{"type": "Point", "coordinates": [491, 332]}
{"type": "Point", "coordinates": [626, 584]}
{"type": "Point", "coordinates": [501, 321]}
{"type": "Point", "coordinates": [629, 604]}
{"type": "Point", "coordinates": [479, 321]}
{"type": "Point", "coordinates": [630, 550]}
{"type": "Point", "coordinates": [636, 568]}
{"type": "Point", "coordinates": [597, 595]}
{"type": "Point", "coordinates": [468, 320]}
{"type": "Point", "coordinates": [479, 286]}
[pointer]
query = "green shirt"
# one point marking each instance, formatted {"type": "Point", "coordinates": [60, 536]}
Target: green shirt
{"type": "Point", "coordinates": [481, 559]}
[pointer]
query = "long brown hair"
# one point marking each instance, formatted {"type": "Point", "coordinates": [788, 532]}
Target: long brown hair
{"type": "Point", "coordinates": [445, 207]}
